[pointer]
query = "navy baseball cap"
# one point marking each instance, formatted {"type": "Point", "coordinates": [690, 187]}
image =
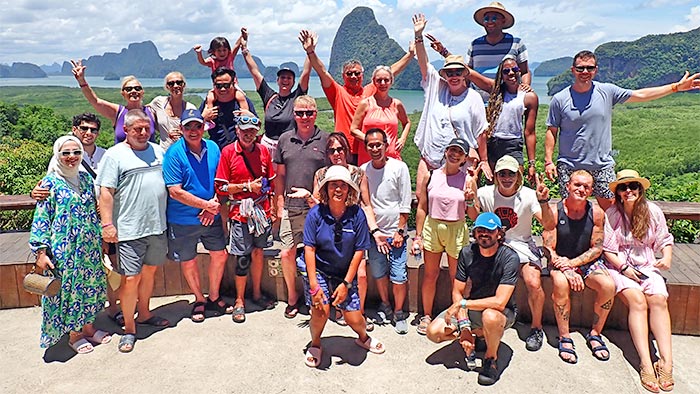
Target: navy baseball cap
{"type": "Point", "coordinates": [191, 115]}
{"type": "Point", "coordinates": [488, 220]}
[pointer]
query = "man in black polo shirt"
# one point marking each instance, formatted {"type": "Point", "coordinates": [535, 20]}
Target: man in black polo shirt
{"type": "Point", "coordinates": [490, 308]}
{"type": "Point", "coordinates": [299, 154]}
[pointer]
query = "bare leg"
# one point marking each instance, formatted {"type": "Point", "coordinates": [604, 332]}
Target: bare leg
{"type": "Point", "coordinates": [240, 282]}
{"type": "Point", "coordinates": [190, 270]}
{"type": "Point", "coordinates": [604, 287]}
{"type": "Point", "coordinates": [289, 270]}
{"type": "Point", "coordinates": [494, 324]}
{"type": "Point", "coordinates": [604, 203]}
{"type": "Point", "coordinates": [399, 296]}
{"type": "Point", "coordinates": [357, 322]}
{"type": "Point", "coordinates": [562, 310]}
{"type": "Point", "coordinates": [431, 271]}
{"type": "Point", "coordinates": [129, 291]}
{"type": "Point", "coordinates": [257, 261]}
{"type": "Point", "coordinates": [638, 325]}
{"type": "Point", "coordinates": [535, 294]}
{"type": "Point", "coordinates": [145, 291]}
{"type": "Point", "coordinates": [319, 317]}
{"type": "Point", "coordinates": [660, 323]}
{"type": "Point", "coordinates": [217, 263]}
{"type": "Point", "coordinates": [383, 289]}
{"type": "Point", "coordinates": [362, 283]}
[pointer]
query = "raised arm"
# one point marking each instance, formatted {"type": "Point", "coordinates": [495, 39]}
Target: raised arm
{"type": "Point", "coordinates": [305, 75]}
{"type": "Point", "coordinates": [525, 74]}
{"type": "Point", "coordinates": [402, 63]}
{"type": "Point", "coordinates": [198, 50]}
{"type": "Point", "coordinates": [308, 41]}
{"type": "Point", "coordinates": [103, 107]}
{"type": "Point", "coordinates": [419, 23]}
{"type": "Point", "coordinates": [531, 106]}
{"type": "Point", "coordinates": [252, 66]}
{"type": "Point", "coordinates": [648, 94]}
{"type": "Point", "coordinates": [237, 45]}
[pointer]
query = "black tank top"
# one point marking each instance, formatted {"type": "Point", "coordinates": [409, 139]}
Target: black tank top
{"type": "Point", "coordinates": [573, 236]}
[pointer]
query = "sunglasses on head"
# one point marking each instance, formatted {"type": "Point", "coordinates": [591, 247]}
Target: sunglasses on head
{"type": "Point", "coordinates": [339, 149]}
{"type": "Point", "coordinates": [93, 130]}
{"type": "Point", "coordinates": [631, 186]}
{"type": "Point", "coordinates": [67, 153]}
{"type": "Point", "coordinates": [338, 232]}
{"type": "Point", "coordinates": [128, 89]}
{"type": "Point", "coordinates": [514, 69]}
{"type": "Point", "coordinates": [309, 113]}
{"type": "Point", "coordinates": [224, 85]}
{"type": "Point", "coordinates": [453, 73]}
{"type": "Point", "coordinates": [353, 73]}
{"type": "Point", "coordinates": [581, 69]}
{"type": "Point", "coordinates": [249, 119]}
{"type": "Point", "coordinates": [178, 83]}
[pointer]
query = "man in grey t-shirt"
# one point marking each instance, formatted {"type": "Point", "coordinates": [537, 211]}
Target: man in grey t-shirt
{"type": "Point", "coordinates": [133, 198]}
{"type": "Point", "coordinates": [582, 114]}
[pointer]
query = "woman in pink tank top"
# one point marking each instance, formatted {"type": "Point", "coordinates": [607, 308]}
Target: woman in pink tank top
{"type": "Point", "coordinates": [440, 220]}
{"type": "Point", "coordinates": [383, 112]}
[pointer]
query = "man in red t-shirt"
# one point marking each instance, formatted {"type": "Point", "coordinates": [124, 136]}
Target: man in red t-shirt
{"type": "Point", "coordinates": [345, 98]}
{"type": "Point", "coordinates": [244, 179]}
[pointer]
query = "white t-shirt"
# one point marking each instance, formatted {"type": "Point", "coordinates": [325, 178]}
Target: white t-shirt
{"type": "Point", "coordinates": [516, 214]}
{"type": "Point", "coordinates": [446, 117]}
{"type": "Point", "coordinates": [390, 193]}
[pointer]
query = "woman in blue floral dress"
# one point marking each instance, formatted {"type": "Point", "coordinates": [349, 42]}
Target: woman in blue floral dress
{"type": "Point", "coordinates": [66, 227]}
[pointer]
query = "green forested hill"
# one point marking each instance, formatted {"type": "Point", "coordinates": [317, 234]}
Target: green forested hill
{"type": "Point", "coordinates": [553, 67]}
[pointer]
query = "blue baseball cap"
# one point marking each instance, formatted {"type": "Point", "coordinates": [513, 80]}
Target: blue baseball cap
{"type": "Point", "coordinates": [191, 115]}
{"type": "Point", "coordinates": [488, 220]}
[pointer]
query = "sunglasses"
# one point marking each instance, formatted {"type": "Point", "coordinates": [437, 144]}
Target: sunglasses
{"type": "Point", "coordinates": [628, 186]}
{"type": "Point", "coordinates": [193, 126]}
{"type": "Point", "coordinates": [339, 149]}
{"type": "Point", "coordinates": [492, 18]}
{"type": "Point", "coordinates": [173, 83]}
{"type": "Point", "coordinates": [581, 69]}
{"type": "Point", "coordinates": [249, 120]}
{"type": "Point", "coordinates": [375, 145]}
{"type": "Point", "coordinates": [224, 85]}
{"type": "Point", "coordinates": [93, 130]}
{"type": "Point", "coordinates": [506, 174]}
{"type": "Point", "coordinates": [308, 113]}
{"type": "Point", "coordinates": [67, 153]}
{"type": "Point", "coordinates": [338, 232]}
{"type": "Point", "coordinates": [353, 73]}
{"type": "Point", "coordinates": [507, 71]}
{"type": "Point", "coordinates": [128, 89]}
{"type": "Point", "coordinates": [453, 73]}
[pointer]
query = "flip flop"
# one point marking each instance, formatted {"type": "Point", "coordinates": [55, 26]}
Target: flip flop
{"type": "Point", "coordinates": [371, 344]}
{"type": "Point", "coordinates": [126, 343]}
{"type": "Point", "coordinates": [596, 349]}
{"type": "Point", "coordinates": [82, 346]}
{"type": "Point", "coordinates": [563, 350]}
{"type": "Point", "coordinates": [291, 311]}
{"type": "Point", "coordinates": [100, 337]}
{"type": "Point", "coordinates": [312, 358]}
{"type": "Point", "coordinates": [155, 321]}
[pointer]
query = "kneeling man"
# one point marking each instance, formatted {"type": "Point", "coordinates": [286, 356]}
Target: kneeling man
{"type": "Point", "coordinates": [490, 307]}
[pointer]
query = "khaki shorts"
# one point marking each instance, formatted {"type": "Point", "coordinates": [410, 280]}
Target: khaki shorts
{"type": "Point", "coordinates": [292, 227]}
{"type": "Point", "coordinates": [440, 236]}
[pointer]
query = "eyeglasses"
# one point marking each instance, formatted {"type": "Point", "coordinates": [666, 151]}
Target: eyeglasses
{"type": "Point", "coordinates": [248, 120]}
{"type": "Point", "coordinates": [454, 73]}
{"type": "Point", "coordinates": [67, 153]}
{"type": "Point", "coordinates": [338, 232]}
{"type": "Point", "coordinates": [382, 80]}
{"type": "Point", "coordinates": [507, 71]}
{"type": "Point", "coordinates": [353, 73]}
{"type": "Point", "coordinates": [93, 130]}
{"type": "Point", "coordinates": [581, 69]}
{"type": "Point", "coordinates": [224, 85]}
{"type": "Point", "coordinates": [631, 186]}
{"type": "Point", "coordinates": [492, 18]}
{"type": "Point", "coordinates": [309, 113]}
{"type": "Point", "coordinates": [173, 83]}
{"type": "Point", "coordinates": [339, 149]}
{"type": "Point", "coordinates": [128, 89]}
{"type": "Point", "coordinates": [506, 174]}
{"type": "Point", "coordinates": [193, 126]}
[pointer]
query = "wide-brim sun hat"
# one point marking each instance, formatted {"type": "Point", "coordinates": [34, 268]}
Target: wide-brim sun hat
{"type": "Point", "coordinates": [339, 173]}
{"type": "Point", "coordinates": [453, 62]}
{"type": "Point", "coordinates": [494, 7]}
{"type": "Point", "coordinates": [628, 176]}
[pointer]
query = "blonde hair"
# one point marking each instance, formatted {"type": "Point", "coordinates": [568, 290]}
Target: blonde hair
{"type": "Point", "coordinates": [383, 68]}
{"type": "Point", "coordinates": [173, 74]}
{"type": "Point", "coordinates": [129, 78]}
{"type": "Point", "coordinates": [305, 100]}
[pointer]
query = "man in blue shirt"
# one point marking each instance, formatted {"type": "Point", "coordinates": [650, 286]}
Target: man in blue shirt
{"type": "Point", "coordinates": [189, 167]}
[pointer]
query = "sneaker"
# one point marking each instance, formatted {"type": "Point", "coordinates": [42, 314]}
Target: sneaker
{"type": "Point", "coordinates": [385, 313]}
{"type": "Point", "coordinates": [423, 324]}
{"type": "Point", "coordinates": [401, 322]}
{"type": "Point", "coordinates": [489, 372]}
{"type": "Point", "coordinates": [533, 342]}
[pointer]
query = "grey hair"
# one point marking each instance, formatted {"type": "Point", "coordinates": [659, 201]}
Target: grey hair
{"type": "Point", "coordinates": [134, 115]}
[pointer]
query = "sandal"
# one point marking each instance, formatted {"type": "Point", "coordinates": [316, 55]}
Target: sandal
{"type": "Point", "coordinates": [665, 379]}
{"type": "Point", "coordinates": [155, 321]}
{"type": "Point", "coordinates": [291, 311]}
{"type": "Point", "coordinates": [371, 345]}
{"type": "Point", "coordinates": [369, 324]}
{"type": "Point", "coordinates": [100, 337]}
{"type": "Point", "coordinates": [595, 349]}
{"type": "Point", "coordinates": [265, 302]}
{"type": "Point", "coordinates": [562, 350]}
{"type": "Point", "coordinates": [216, 307]}
{"type": "Point", "coordinates": [82, 346]}
{"type": "Point", "coordinates": [197, 314]}
{"type": "Point", "coordinates": [312, 357]}
{"type": "Point", "coordinates": [238, 315]}
{"type": "Point", "coordinates": [423, 324]}
{"type": "Point", "coordinates": [118, 319]}
{"type": "Point", "coordinates": [126, 343]}
{"type": "Point", "coordinates": [649, 380]}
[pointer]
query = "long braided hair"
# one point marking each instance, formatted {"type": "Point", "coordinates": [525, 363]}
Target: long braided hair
{"type": "Point", "coordinates": [495, 103]}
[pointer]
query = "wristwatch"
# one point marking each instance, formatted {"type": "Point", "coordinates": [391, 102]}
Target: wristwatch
{"type": "Point", "coordinates": [245, 188]}
{"type": "Point", "coordinates": [347, 284]}
{"type": "Point", "coordinates": [463, 303]}
{"type": "Point", "coordinates": [374, 230]}
{"type": "Point", "coordinates": [401, 232]}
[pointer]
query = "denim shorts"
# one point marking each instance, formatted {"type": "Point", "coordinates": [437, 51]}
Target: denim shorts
{"type": "Point", "coordinates": [328, 285]}
{"type": "Point", "coordinates": [182, 240]}
{"type": "Point", "coordinates": [392, 264]}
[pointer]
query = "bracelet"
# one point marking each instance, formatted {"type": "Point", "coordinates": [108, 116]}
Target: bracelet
{"type": "Point", "coordinates": [82, 85]}
{"type": "Point", "coordinates": [674, 87]}
{"type": "Point", "coordinates": [245, 51]}
{"type": "Point", "coordinates": [310, 52]}
{"type": "Point", "coordinates": [107, 225]}
{"type": "Point", "coordinates": [347, 284]}
{"type": "Point", "coordinates": [624, 267]}
{"type": "Point", "coordinates": [444, 52]}
{"type": "Point", "coordinates": [546, 200]}
{"type": "Point", "coordinates": [547, 163]}
{"type": "Point", "coordinates": [417, 238]}
{"type": "Point", "coordinates": [532, 162]}
{"type": "Point", "coordinates": [314, 292]}
{"type": "Point", "coordinates": [470, 203]}
{"type": "Point", "coordinates": [417, 40]}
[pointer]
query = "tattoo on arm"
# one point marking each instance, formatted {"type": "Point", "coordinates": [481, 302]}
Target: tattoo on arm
{"type": "Point", "coordinates": [607, 305]}
{"type": "Point", "coordinates": [591, 254]}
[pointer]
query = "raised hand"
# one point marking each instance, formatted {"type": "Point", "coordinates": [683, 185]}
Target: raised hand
{"type": "Point", "coordinates": [197, 48]}
{"type": "Point", "coordinates": [541, 189]}
{"type": "Point", "coordinates": [412, 48]}
{"type": "Point", "coordinates": [419, 23]}
{"type": "Point", "coordinates": [78, 70]}
{"type": "Point", "coordinates": [435, 43]}
{"type": "Point", "coordinates": [308, 40]}
{"type": "Point", "coordinates": [244, 33]}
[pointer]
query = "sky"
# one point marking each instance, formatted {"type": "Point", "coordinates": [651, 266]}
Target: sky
{"type": "Point", "coordinates": [47, 31]}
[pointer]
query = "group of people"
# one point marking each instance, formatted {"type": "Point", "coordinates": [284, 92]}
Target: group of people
{"type": "Point", "coordinates": [345, 198]}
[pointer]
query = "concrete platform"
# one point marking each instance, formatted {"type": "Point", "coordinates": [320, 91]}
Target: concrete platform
{"type": "Point", "coordinates": [265, 355]}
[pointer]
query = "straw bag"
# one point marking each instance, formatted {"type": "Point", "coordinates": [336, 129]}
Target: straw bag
{"type": "Point", "coordinates": [47, 285]}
